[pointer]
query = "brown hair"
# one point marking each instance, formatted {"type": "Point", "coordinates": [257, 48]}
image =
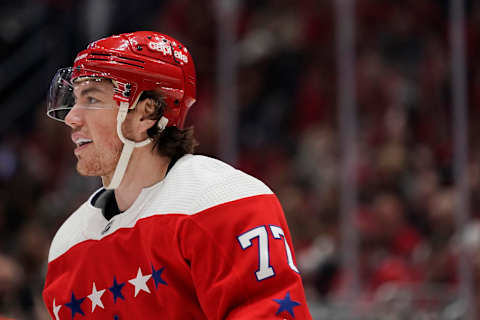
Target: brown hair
{"type": "Point", "coordinates": [172, 141]}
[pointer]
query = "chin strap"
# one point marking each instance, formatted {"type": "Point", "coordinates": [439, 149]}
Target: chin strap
{"type": "Point", "coordinates": [128, 147]}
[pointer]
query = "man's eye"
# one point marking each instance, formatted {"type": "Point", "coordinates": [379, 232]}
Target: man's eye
{"type": "Point", "coordinates": [92, 100]}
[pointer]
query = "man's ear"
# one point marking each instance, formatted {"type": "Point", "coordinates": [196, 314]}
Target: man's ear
{"type": "Point", "coordinates": [147, 110]}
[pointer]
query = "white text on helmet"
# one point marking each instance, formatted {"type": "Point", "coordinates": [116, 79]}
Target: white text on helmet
{"type": "Point", "coordinates": [181, 56]}
{"type": "Point", "coordinates": [160, 47]}
{"type": "Point", "coordinates": [166, 49]}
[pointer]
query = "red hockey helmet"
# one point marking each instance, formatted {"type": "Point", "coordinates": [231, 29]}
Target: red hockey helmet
{"type": "Point", "coordinates": [136, 62]}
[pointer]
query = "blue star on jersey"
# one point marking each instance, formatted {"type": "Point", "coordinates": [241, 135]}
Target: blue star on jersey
{"type": "Point", "coordinates": [157, 276]}
{"type": "Point", "coordinates": [74, 305]}
{"type": "Point", "coordinates": [286, 304]}
{"type": "Point", "coordinates": [116, 289]}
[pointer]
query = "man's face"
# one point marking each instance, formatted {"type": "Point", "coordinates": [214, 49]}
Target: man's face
{"type": "Point", "coordinates": [93, 123]}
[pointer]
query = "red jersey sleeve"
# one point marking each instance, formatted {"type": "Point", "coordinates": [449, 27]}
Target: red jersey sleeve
{"type": "Point", "coordinates": [242, 261]}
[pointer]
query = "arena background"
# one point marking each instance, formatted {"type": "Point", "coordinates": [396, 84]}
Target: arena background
{"type": "Point", "coordinates": [361, 116]}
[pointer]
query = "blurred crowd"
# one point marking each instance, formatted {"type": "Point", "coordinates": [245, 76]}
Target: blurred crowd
{"type": "Point", "coordinates": [408, 241]}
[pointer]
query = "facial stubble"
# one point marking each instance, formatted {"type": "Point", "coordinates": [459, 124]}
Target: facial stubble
{"type": "Point", "coordinates": [98, 162]}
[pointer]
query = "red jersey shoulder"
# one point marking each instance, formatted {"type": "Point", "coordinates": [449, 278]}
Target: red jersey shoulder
{"type": "Point", "coordinates": [246, 246]}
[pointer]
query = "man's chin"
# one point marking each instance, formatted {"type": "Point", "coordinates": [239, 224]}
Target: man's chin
{"type": "Point", "coordinates": [88, 172]}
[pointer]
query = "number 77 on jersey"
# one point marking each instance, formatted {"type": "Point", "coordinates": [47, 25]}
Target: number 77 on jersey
{"type": "Point", "coordinates": [265, 270]}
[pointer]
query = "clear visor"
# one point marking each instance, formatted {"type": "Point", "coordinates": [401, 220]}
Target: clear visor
{"type": "Point", "coordinates": [87, 89]}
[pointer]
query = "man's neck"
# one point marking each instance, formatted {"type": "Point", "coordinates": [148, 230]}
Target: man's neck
{"type": "Point", "coordinates": [145, 169]}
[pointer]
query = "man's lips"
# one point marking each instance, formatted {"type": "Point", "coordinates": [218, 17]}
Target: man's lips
{"type": "Point", "coordinates": [82, 146]}
{"type": "Point", "coordinates": [80, 141]}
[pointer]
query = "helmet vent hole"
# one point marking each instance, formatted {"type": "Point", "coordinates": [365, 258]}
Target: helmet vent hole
{"type": "Point", "coordinates": [130, 64]}
{"type": "Point", "coordinates": [97, 59]}
{"type": "Point", "coordinates": [131, 59]}
{"type": "Point", "coordinates": [100, 54]}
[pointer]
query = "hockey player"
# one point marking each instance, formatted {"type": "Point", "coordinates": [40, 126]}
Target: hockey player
{"type": "Point", "coordinates": [171, 235]}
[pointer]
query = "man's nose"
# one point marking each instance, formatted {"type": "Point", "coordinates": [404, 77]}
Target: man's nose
{"type": "Point", "coordinates": [74, 117]}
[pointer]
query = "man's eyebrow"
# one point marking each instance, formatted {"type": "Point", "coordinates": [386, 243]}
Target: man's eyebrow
{"type": "Point", "coordinates": [85, 92]}
{"type": "Point", "coordinates": [80, 92]}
